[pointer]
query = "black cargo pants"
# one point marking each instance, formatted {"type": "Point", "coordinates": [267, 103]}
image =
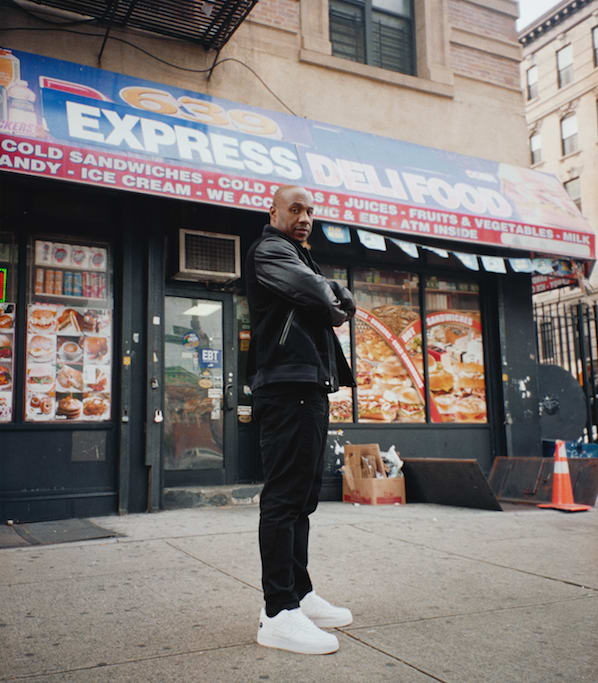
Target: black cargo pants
{"type": "Point", "coordinates": [293, 423]}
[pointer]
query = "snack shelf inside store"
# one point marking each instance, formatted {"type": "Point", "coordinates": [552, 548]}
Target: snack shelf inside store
{"type": "Point", "coordinates": [385, 285]}
{"type": "Point", "coordinates": [437, 300]}
{"type": "Point", "coordinates": [379, 287]}
{"type": "Point", "coordinates": [453, 291]}
{"type": "Point", "coordinates": [71, 297]}
{"type": "Point", "coordinates": [451, 294]}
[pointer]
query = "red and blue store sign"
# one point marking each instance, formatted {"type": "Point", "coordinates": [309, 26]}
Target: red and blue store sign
{"type": "Point", "coordinates": [92, 126]}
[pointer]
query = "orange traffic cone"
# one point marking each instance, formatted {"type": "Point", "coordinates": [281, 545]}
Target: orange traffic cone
{"type": "Point", "coordinates": [562, 492]}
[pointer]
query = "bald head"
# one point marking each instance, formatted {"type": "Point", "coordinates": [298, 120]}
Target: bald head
{"type": "Point", "coordinates": [292, 212]}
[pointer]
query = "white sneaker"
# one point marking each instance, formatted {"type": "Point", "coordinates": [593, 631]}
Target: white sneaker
{"type": "Point", "coordinates": [291, 630]}
{"type": "Point", "coordinates": [323, 614]}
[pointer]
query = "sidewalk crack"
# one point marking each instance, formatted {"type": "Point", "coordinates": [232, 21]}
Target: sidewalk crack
{"type": "Point", "coordinates": [214, 567]}
{"type": "Point", "coordinates": [478, 559]}
{"type": "Point", "coordinates": [490, 610]}
{"type": "Point", "coordinates": [134, 660]}
{"type": "Point", "coordinates": [391, 656]}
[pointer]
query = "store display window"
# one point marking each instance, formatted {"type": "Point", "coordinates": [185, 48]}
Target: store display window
{"type": "Point", "coordinates": [389, 369]}
{"type": "Point", "coordinates": [455, 351]}
{"type": "Point", "coordinates": [341, 402]}
{"type": "Point", "coordinates": [8, 309]}
{"type": "Point", "coordinates": [394, 384]}
{"type": "Point", "coordinates": [68, 364]}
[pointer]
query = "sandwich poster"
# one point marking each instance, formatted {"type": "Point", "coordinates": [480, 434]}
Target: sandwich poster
{"type": "Point", "coordinates": [69, 334]}
{"type": "Point", "coordinates": [390, 368]}
{"type": "Point", "coordinates": [68, 363]}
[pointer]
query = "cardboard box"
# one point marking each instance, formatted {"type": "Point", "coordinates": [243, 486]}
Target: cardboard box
{"type": "Point", "coordinates": [360, 483]}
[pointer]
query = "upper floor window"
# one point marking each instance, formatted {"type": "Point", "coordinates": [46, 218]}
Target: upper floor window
{"type": "Point", "coordinates": [595, 44]}
{"type": "Point", "coordinates": [573, 188]}
{"type": "Point", "coordinates": [564, 64]}
{"type": "Point", "coordinates": [375, 32]}
{"type": "Point", "coordinates": [532, 82]}
{"type": "Point", "coordinates": [569, 141]}
{"type": "Point", "coordinates": [535, 147]}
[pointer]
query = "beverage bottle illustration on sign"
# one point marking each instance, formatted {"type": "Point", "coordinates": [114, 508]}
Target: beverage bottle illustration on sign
{"type": "Point", "coordinates": [21, 104]}
{"type": "Point", "coordinates": [10, 71]}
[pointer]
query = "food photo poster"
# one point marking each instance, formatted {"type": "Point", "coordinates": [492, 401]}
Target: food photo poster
{"type": "Point", "coordinates": [68, 363]}
{"type": "Point", "coordinates": [69, 335]}
{"type": "Point", "coordinates": [390, 366]}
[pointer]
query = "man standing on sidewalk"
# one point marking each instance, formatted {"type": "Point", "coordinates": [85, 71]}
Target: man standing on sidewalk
{"type": "Point", "coordinates": [295, 360]}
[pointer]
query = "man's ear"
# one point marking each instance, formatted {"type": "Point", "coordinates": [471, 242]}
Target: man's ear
{"type": "Point", "coordinates": [272, 213]}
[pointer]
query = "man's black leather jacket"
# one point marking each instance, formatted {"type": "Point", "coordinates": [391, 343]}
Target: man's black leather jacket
{"type": "Point", "coordinates": [293, 307]}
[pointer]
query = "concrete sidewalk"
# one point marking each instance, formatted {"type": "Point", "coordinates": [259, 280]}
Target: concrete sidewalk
{"type": "Point", "coordinates": [438, 594]}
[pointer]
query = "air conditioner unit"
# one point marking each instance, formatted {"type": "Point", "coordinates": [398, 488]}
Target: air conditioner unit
{"type": "Point", "coordinates": [208, 256]}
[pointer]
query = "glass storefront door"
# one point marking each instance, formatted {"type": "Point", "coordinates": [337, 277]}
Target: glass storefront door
{"type": "Point", "coordinates": [198, 390]}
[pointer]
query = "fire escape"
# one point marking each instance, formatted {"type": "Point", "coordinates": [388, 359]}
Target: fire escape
{"type": "Point", "coordinates": [208, 23]}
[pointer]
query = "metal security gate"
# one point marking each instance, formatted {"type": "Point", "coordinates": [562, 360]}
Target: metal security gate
{"type": "Point", "coordinates": [567, 336]}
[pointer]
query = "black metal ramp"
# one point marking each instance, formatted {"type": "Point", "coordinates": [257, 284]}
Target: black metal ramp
{"type": "Point", "coordinates": [448, 481]}
{"type": "Point", "coordinates": [61, 531]}
{"type": "Point", "coordinates": [529, 480]}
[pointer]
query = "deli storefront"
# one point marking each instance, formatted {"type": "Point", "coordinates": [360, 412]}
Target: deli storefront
{"type": "Point", "coordinates": [126, 209]}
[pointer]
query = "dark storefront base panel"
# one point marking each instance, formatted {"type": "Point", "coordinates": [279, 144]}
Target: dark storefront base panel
{"type": "Point", "coordinates": [64, 505]}
{"type": "Point", "coordinates": [51, 458]}
{"type": "Point", "coordinates": [417, 441]}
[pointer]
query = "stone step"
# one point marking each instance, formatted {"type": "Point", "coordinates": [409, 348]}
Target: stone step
{"type": "Point", "coordinates": [177, 497]}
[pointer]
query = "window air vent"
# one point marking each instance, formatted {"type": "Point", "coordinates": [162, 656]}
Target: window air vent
{"type": "Point", "coordinates": [208, 256]}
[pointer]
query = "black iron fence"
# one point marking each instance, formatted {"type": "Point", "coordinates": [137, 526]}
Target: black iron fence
{"type": "Point", "coordinates": [567, 336]}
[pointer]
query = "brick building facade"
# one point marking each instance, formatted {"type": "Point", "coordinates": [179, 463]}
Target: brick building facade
{"type": "Point", "coordinates": [559, 77]}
